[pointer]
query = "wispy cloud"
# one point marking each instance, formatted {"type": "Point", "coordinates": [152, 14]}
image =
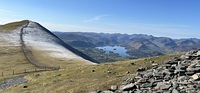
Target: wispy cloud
{"type": "Point", "coordinates": [96, 18]}
{"type": "Point", "coordinates": [173, 31]}
{"type": "Point", "coordinates": [8, 20]}
{"type": "Point", "coordinates": [7, 16]}
{"type": "Point", "coordinates": [75, 28]}
{"type": "Point", "coordinates": [5, 12]}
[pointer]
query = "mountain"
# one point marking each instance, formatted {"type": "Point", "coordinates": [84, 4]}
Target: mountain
{"type": "Point", "coordinates": [138, 45]}
{"type": "Point", "coordinates": [26, 42]}
{"type": "Point", "coordinates": [38, 45]}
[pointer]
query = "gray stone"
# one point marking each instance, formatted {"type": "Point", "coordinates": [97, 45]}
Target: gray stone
{"type": "Point", "coordinates": [145, 85]}
{"type": "Point", "coordinates": [142, 80]}
{"type": "Point", "coordinates": [167, 77]}
{"type": "Point", "coordinates": [162, 86]}
{"type": "Point", "coordinates": [98, 91]}
{"type": "Point", "coordinates": [175, 91]}
{"type": "Point", "coordinates": [198, 53]}
{"type": "Point", "coordinates": [128, 87]}
{"type": "Point", "coordinates": [113, 88]}
{"type": "Point", "coordinates": [154, 65]}
{"type": "Point", "coordinates": [196, 76]}
{"type": "Point", "coordinates": [189, 73]}
{"type": "Point", "coordinates": [172, 62]}
{"type": "Point", "coordinates": [193, 69]}
{"type": "Point", "coordinates": [178, 75]}
{"type": "Point", "coordinates": [174, 84]}
{"type": "Point", "coordinates": [137, 91]}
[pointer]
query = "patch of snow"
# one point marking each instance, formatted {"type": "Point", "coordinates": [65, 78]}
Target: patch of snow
{"type": "Point", "coordinates": [40, 39]}
{"type": "Point", "coordinates": [10, 39]}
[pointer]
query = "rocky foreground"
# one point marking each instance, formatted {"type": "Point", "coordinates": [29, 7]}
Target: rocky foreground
{"type": "Point", "coordinates": [179, 75]}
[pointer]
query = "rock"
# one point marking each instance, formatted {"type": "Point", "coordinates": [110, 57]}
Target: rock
{"type": "Point", "coordinates": [93, 71]}
{"type": "Point", "coordinates": [163, 86]}
{"type": "Point", "coordinates": [198, 53]}
{"type": "Point", "coordinates": [37, 75]}
{"type": "Point", "coordinates": [57, 75]}
{"type": "Point", "coordinates": [25, 86]}
{"type": "Point", "coordinates": [196, 76]}
{"type": "Point", "coordinates": [137, 91]}
{"type": "Point", "coordinates": [113, 88]}
{"type": "Point", "coordinates": [175, 91]}
{"type": "Point", "coordinates": [142, 80]}
{"type": "Point", "coordinates": [166, 65]}
{"type": "Point", "coordinates": [127, 72]}
{"type": "Point", "coordinates": [128, 87]}
{"type": "Point", "coordinates": [178, 75]}
{"type": "Point", "coordinates": [145, 85]}
{"type": "Point", "coordinates": [189, 73]}
{"type": "Point", "coordinates": [141, 69]}
{"type": "Point", "coordinates": [198, 65]}
{"type": "Point", "coordinates": [154, 65]}
{"type": "Point", "coordinates": [185, 57]}
{"type": "Point", "coordinates": [151, 61]}
{"type": "Point", "coordinates": [189, 69]}
{"type": "Point", "coordinates": [98, 91]}
{"type": "Point", "coordinates": [132, 63]}
{"type": "Point", "coordinates": [174, 84]}
{"type": "Point", "coordinates": [172, 62]}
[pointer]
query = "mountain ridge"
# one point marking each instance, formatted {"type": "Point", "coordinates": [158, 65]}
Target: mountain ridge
{"type": "Point", "coordinates": [138, 45]}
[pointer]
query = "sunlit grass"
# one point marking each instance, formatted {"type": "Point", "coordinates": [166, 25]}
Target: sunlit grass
{"type": "Point", "coordinates": [10, 26]}
{"type": "Point", "coordinates": [83, 79]}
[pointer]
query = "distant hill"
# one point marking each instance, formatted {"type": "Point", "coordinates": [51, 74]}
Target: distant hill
{"type": "Point", "coordinates": [138, 45]}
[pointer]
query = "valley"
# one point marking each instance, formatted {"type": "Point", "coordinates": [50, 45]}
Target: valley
{"type": "Point", "coordinates": [137, 45]}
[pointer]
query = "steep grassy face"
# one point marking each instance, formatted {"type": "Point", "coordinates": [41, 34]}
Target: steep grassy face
{"type": "Point", "coordinates": [11, 54]}
{"type": "Point", "coordinates": [11, 26]}
{"type": "Point", "coordinates": [48, 49]}
{"type": "Point", "coordinates": [84, 79]}
{"type": "Point", "coordinates": [12, 57]}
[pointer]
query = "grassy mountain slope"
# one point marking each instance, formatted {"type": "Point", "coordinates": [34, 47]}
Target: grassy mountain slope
{"type": "Point", "coordinates": [11, 54]}
{"type": "Point", "coordinates": [12, 58]}
{"type": "Point", "coordinates": [11, 26]}
{"type": "Point", "coordinates": [84, 79]}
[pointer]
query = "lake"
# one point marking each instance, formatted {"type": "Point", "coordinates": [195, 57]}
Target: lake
{"type": "Point", "coordinates": [115, 49]}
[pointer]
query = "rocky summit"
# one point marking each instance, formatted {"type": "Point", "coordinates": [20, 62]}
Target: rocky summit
{"type": "Point", "coordinates": [178, 75]}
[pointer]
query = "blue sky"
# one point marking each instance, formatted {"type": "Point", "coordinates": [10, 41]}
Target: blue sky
{"type": "Point", "coordinates": [167, 18]}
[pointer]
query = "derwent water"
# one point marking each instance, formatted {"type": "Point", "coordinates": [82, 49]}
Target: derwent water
{"type": "Point", "coordinates": [115, 49]}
